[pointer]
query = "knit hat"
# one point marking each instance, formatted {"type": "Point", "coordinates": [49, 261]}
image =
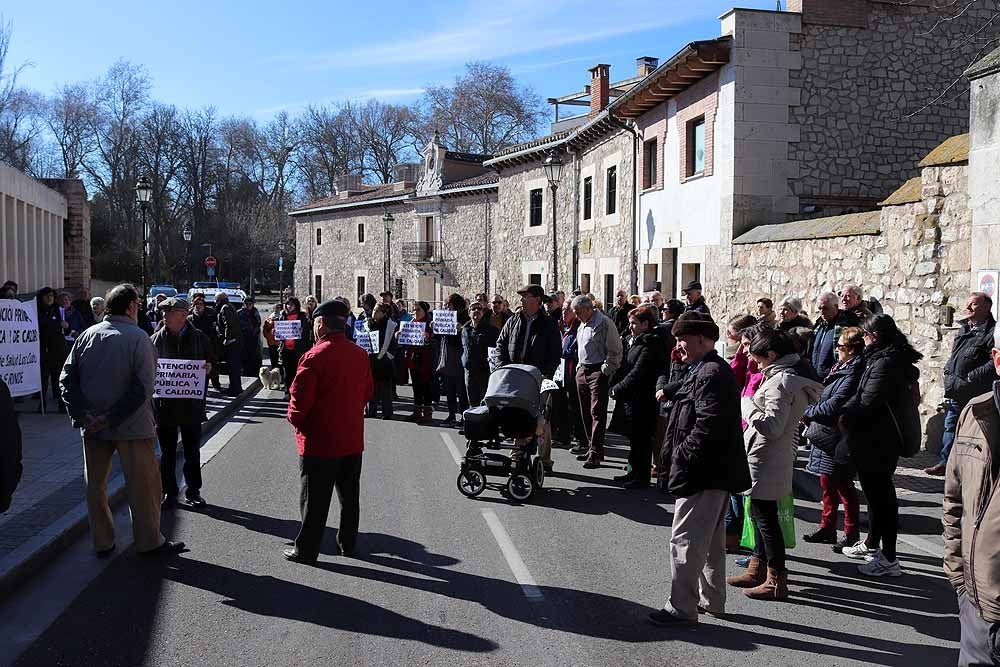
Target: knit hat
{"type": "Point", "coordinates": [693, 323]}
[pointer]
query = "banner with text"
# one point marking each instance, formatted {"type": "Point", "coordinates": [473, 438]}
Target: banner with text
{"type": "Point", "coordinates": [287, 329]}
{"type": "Point", "coordinates": [412, 333]}
{"type": "Point", "coordinates": [445, 322]}
{"type": "Point", "coordinates": [180, 378]}
{"type": "Point", "coordinates": [20, 365]}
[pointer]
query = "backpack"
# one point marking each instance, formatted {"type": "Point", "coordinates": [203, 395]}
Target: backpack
{"type": "Point", "coordinates": [907, 421]}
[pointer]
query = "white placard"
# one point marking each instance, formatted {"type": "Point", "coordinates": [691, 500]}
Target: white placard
{"type": "Point", "coordinates": [560, 374]}
{"type": "Point", "coordinates": [412, 333]}
{"type": "Point", "coordinates": [20, 365]}
{"type": "Point", "coordinates": [359, 328]}
{"type": "Point", "coordinates": [987, 284]}
{"type": "Point", "coordinates": [493, 356]}
{"type": "Point", "coordinates": [445, 322]}
{"type": "Point", "coordinates": [287, 329]}
{"type": "Point", "coordinates": [373, 343]}
{"type": "Point", "coordinates": [180, 378]}
{"type": "Point", "coordinates": [362, 337]}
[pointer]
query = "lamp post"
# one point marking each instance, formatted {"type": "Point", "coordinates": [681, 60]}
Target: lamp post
{"type": "Point", "coordinates": [387, 221]}
{"type": "Point", "coordinates": [281, 263]}
{"type": "Point", "coordinates": [188, 234]}
{"type": "Point", "coordinates": [553, 172]}
{"type": "Point", "coordinates": [143, 194]}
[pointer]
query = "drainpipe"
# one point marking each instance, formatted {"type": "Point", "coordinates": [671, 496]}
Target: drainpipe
{"type": "Point", "coordinates": [575, 261]}
{"type": "Point", "coordinates": [634, 268]}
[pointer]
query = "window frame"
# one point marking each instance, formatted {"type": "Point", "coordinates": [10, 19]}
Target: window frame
{"type": "Point", "coordinates": [611, 190]}
{"type": "Point", "coordinates": [650, 154]}
{"type": "Point", "coordinates": [532, 224]}
{"type": "Point", "coordinates": [361, 233]}
{"type": "Point", "coordinates": [588, 197]}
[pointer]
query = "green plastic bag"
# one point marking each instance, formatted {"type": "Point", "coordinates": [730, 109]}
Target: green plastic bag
{"type": "Point", "coordinates": [786, 518]}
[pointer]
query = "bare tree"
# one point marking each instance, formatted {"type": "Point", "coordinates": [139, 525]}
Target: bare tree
{"type": "Point", "coordinates": [20, 112]}
{"type": "Point", "coordinates": [70, 118]}
{"type": "Point", "coordinates": [483, 112]}
{"type": "Point", "coordinates": [330, 147]}
{"type": "Point", "coordinates": [386, 132]}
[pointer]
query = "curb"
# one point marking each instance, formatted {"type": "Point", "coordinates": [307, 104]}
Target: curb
{"type": "Point", "coordinates": [24, 561]}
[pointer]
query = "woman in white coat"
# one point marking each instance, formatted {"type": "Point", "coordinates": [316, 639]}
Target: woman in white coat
{"type": "Point", "coordinates": [772, 415]}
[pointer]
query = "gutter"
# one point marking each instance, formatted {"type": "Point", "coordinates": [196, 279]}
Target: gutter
{"type": "Point", "coordinates": [634, 261]}
{"type": "Point", "coordinates": [347, 205]}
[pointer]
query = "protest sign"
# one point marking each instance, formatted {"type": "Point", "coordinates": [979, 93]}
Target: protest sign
{"type": "Point", "coordinates": [373, 342]}
{"type": "Point", "coordinates": [359, 328]}
{"type": "Point", "coordinates": [287, 329]}
{"type": "Point", "coordinates": [20, 365]}
{"type": "Point", "coordinates": [445, 322]}
{"type": "Point", "coordinates": [363, 338]}
{"type": "Point", "coordinates": [180, 378]}
{"type": "Point", "coordinates": [560, 374]}
{"type": "Point", "coordinates": [412, 333]}
{"type": "Point", "coordinates": [493, 356]}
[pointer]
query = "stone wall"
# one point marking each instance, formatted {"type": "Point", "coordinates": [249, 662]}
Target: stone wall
{"type": "Point", "coordinates": [917, 266]}
{"type": "Point", "coordinates": [76, 231]}
{"type": "Point", "coordinates": [858, 86]}
{"type": "Point", "coordinates": [464, 230]}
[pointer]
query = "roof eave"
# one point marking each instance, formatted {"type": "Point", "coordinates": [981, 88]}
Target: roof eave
{"type": "Point", "coordinates": [348, 205]}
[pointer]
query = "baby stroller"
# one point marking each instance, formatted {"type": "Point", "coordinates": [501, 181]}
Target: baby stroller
{"type": "Point", "coordinates": [513, 408]}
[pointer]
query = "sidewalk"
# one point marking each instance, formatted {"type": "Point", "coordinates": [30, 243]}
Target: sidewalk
{"type": "Point", "coordinates": [49, 508]}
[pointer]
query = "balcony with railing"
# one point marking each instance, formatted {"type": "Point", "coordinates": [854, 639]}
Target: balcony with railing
{"type": "Point", "coordinates": [429, 258]}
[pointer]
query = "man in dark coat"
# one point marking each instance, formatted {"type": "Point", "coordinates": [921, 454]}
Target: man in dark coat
{"type": "Point", "coordinates": [478, 335]}
{"type": "Point", "coordinates": [10, 449]}
{"type": "Point", "coordinates": [619, 313]}
{"type": "Point", "coordinates": [695, 301]}
{"type": "Point", "coordinates": [969, 371]}
{"type": "Point", "coordinates": [704, 443]}
{"type": "Point", "coordinates": [250, 325]}
{"type": "Point", "coordinates": [179, 339]}
{"type": "Point", "coordinates": [204, 318]}
{"type": "Point", "coordinates": [823, 349]}
{"type": "Point", "coordinates": [328, 397]}
{"type": "Point", "coordinates": [231, 338]}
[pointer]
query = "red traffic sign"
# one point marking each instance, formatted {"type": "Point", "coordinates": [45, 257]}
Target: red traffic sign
{"type": "Point", "coordinates": [211, 262]}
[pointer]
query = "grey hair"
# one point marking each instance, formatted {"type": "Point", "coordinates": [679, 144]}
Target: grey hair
{"type": "Point", "coordinates": [96, 301]}
{"type": "Point", "coordinates": [794, 304]}
{"type": "Point", "coordinates": [855, 289]}
{"type": "Point", "coordinates": [827, 296]}
{"type": "Point", "coordinates": [582, 301]}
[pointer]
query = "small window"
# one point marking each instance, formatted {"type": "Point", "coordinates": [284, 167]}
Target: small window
{"type": "Point", "coordinates": [611, 205]}
{"type": "Point", "coordinates": [585, 283]}
{"type": "Point", "coordinates": [649, 164]}
{"type": "Point", "coordinates": [534, 279]}
{"type": "Point", "coordinates": [697, 147]}
{"type": "Point", "coordinates": [535, 198]}
{"type": "Point", "coordinates": [361, 288]}
{"type": "Point", "coordinates": [318, 289]}
{"type": "Point", "coordinates": [361, 232]}
{"type": "Point", "coordinates": [319, 237]}
{"type": "Point", "coordinates": [609, 289]}
{"type": "Point", "coordinates": [588, 197]}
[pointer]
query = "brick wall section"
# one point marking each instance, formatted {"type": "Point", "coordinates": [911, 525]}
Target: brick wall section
{"type": "Point", "coordinates": [701, 99]}
{"type": "Point", "coordinates": [76, 231]}
{"type": "Point", "coordinates": [653, 125]}
{"type": "Point", "coordinates": [600, 88]}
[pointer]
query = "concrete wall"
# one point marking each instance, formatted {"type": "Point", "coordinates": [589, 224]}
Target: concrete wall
{"type": "Point", "coordinates": [31, 232]}
{"type": "Point", "coordinates": [984, 173]}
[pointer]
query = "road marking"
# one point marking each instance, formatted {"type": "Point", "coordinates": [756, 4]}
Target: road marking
{"type": "Point", "coordinates": [509, 551]}
{"type": "Point", "coordinates": [924, 545]}
{"type": "Point", "coordinates": [453, 448]}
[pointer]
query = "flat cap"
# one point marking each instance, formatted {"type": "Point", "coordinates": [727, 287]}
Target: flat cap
{"type": "Point", "coordinates": [173, 303]}
{"type": "Point", "coordinates": [693, 323]}
{"type": "Point", "coordinates": [332, 308]}
{"type": "Point", "coordinates": [693, 285]}
{"type": "Point", "coordinates": [533, 290]}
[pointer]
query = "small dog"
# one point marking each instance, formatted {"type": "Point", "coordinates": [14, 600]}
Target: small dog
{"type": "Point", "coordinates": [270, 377]}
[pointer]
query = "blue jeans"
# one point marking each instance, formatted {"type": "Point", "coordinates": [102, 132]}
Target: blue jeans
{"type": "Point", "coordinates": [951, 412]}
{"type": "Point", "coordinates": [734, 515]}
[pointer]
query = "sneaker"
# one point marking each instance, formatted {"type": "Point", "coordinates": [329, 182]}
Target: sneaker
{"type": "Point", "coordinates": [821, 536]}
{"type": "Point", "coordinates": [664, 618]}
{"type": "Point", "coordinates": [936, 471]}
{"type": "Point", "coordinates": [860, 551]}
{"type": "Point", "coordinates": [579, 449]}
{"type": "Point", "coordinates": [743, 562]}
{"type": "Point", "coordinates": [844, 542]}
{"type": "Point", "coordinates": [880, 566]}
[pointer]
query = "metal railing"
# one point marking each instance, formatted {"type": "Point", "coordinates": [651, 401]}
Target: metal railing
{"type": "Point", "coordinates": [422, 252]}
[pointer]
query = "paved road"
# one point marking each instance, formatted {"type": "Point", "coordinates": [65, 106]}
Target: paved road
{"type": "Point", "coordinates": [441, 579]}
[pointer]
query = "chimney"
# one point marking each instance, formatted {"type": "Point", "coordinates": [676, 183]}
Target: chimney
{"type": "Point", "coordinates": [645, 65]}
{"type": "Point", "coordinates": [599, 88]}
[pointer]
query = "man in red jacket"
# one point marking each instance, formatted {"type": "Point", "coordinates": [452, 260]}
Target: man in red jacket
{"type": "Point", "coordinates": [328, 397]}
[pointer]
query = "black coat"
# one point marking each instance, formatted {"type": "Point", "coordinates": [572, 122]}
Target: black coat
{"type": "Point", "coordinates": [476, 342]}
{"type": "Point", "coordinates": [969, 371]}
{"type": "Point", "coordinates": [10, 448]}
{"type": "Point", "coordinates": [51, 341]}
{"type": "Point", "coordinates": [619, 314]}
{"type": "Point", "coordinates": [636, 390]}
{"type": "Point", "coordinates": [384, 369]}
{"type": "Point", "coordinates": [885, 384]}
{"type": "Point", "coordinates": [794, 323]}
{"type": "Point", "coordinates": [190, 344]}
{"type": "Point", "coordinates": [840, 387]}
{"type": "Point", "coordinates": [703, 445]}
{"type": "Point", "coordinates": [698, 306]}
{"type": "Point", "coordinates": [544, 344]}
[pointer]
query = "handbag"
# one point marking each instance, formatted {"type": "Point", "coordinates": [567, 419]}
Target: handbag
{"type": "Point", "coordinates": [823, 437]}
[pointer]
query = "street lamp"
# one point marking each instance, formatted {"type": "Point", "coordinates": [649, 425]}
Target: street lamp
{"type": "Point", "coordinates": [553, 167]}
{"type": "Point", "coordinates": [388, 221]}
{"type": "Point", "coordinates": [188, 234]}
{"type": "Point", "coordinates": [281, 263]}
{"type": "Point", "coordinates": [143, 194]}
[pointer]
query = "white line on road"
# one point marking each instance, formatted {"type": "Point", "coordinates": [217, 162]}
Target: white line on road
{"type": "Point", "coordinates": [453, 448]}
{"type": "Point", "coordinates": [924, 545]}
{"type": "Point", "coordinates": [517, 566]}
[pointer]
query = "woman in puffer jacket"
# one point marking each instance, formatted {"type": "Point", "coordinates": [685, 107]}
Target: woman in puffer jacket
{"type": "Point", "coordinates": [772, 417]}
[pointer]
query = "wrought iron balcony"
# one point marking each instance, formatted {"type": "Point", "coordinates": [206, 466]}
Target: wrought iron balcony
{"type": "Point", "coordinates": [421, 252]}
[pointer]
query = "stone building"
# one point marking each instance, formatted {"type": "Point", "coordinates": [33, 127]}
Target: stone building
{"type": "Point", "coordinates": [44, 231]}
{"type": "Point", "coordinates": [984, 174]}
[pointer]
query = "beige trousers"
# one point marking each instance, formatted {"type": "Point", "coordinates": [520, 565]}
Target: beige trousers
{"type": "Point", "coordinates": [698, 554]}
{"type": "Point", "coordinates": [142, 483]}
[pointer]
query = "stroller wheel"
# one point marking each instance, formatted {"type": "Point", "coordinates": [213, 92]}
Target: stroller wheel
{"type": "Point", "coordinates": [520, 486]}
{"type": "Point", "coordinates": [471, 482]}
{"type": "Point", "coordinates": [538, 472]}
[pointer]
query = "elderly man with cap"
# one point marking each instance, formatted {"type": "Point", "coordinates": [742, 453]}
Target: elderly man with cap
{"type": "Point", "coordinates": [179, 339]}
{"type": "Point", "coordinates": [328, 397]}
{"type": "Point", "coordinates": [599, 354]}
{"type": "Point", "coordinates": [695, 301]}
{"type": "Point", "coordinates": [704, 446]}
{"type": "Point", "coordinates": [531, 337]}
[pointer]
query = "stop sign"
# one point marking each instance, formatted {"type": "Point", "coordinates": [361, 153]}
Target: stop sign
{"type": "Point", "coordinates": [211, 262]}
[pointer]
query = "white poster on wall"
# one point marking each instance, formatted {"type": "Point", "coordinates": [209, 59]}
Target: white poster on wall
{"type": "Point", "coordinates": [20, 365]}
{"type": "Point", "coordinates": [987, 284]}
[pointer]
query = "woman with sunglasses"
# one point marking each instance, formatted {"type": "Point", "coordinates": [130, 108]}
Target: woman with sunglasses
{"type": "Point", "coordinates": [292, 350]}
{"type": "Point", "coordinates": [872, 419]}
{"type": "Point", "coordinates": [829, 457]}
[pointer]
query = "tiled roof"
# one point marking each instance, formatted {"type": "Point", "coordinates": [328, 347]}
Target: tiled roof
{"type": "Point", "coordinates": [952, 151]}
{"type": "Point", "coordinates": [852, 224]}
{"type": "Point", "coordinates": [908, 193]}
{"type": "Point", "coordinates": [467, 157]}
{"type": "Point", "coordinates": [534, 143]}
{"type": "Point", "coordinates": [483, 179]}
{"type": "Point", "coordinates": [378, 192]}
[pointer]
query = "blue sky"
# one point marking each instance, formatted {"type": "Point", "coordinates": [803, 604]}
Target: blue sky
{"type": "Point", "coordinates": [255, 58]}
